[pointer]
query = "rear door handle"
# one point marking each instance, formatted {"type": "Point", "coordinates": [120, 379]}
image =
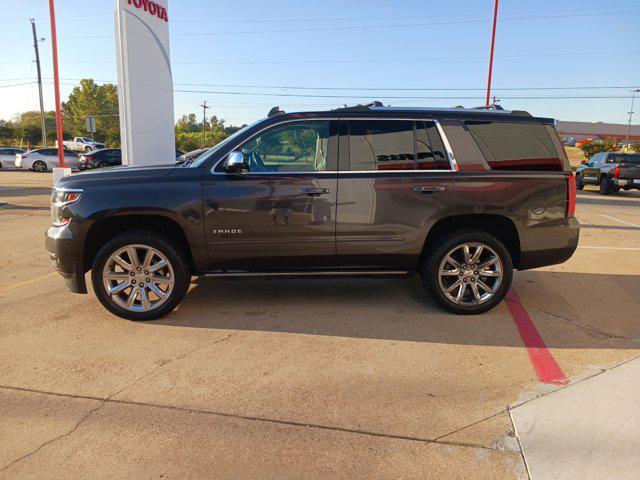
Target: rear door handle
{"type": "Point", "coordinates": [428, 189]}
{"type": "Point", "coordinates": [314, 191]}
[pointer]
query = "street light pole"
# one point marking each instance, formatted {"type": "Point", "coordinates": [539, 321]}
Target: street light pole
{"type": "Point", "coordinates": [204, 122]}
{"type": "Point", "coordinates": [35, 46]}
{"type": "Point", "coordinates": [633, 96]}
{"type": "Point", "coordinates": [493, 41]}
{"type": "Point", "coordinates": [56, 81]}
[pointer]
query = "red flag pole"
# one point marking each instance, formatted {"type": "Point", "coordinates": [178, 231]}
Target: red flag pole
{"type": "Point", "coordinates": [56, 81]}
{"type": "Point", "coordinates": [493, 41]}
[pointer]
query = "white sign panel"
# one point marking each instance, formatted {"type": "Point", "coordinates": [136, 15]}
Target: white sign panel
{"type": "Point", "coordinates": [145, 84]}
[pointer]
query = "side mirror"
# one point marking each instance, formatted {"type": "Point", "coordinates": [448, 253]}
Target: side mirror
{"type": "Point", "coordinates": [235, 163]}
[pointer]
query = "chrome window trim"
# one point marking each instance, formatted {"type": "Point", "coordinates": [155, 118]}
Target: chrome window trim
{"type": "Point", "coordinates": [70, 190]}
{"type": "Point", "coordinates": [450, 156]}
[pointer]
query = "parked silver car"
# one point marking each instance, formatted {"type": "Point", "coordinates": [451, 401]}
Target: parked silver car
{"type": "Point", "coordinates": [44, 159]}
{"type": "Point", "coordinates": [8, 156]}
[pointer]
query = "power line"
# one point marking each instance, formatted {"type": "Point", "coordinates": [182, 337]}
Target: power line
{"type": "Point", "coordinates": [625, 4]}
{"type": "Point", "coordinates": [17, 84]}
{"type": "Point", "coordinates": [356, 60]}
{"type": "Point", "coordinates": [359, 27]}
{"type": "Point", "coordinates": [399, 97]}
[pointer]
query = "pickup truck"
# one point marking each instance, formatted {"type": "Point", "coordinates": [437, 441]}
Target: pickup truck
{"type": "Point", "coordinates": [610, 171]}
{"type": "Point", "coordinates": [460, 197]}
{"type": "Point", "coordinates": [82, 144]}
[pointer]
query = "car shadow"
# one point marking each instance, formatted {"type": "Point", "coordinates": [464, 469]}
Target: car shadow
{"type": "Point", "coordinates": [621, 198]}
{"type": "Point", "coordinates": [398, 309]}
{"type": "Point", "coordinates": [20, 191]}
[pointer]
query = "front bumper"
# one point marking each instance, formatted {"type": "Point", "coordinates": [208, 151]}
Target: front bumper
{"type": "Point", "coordinates": [65, 252]}
{"type": "Point", "coordinates": [548, 243]}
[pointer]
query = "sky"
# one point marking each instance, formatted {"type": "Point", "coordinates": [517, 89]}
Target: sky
{"type": "Point", "coordinates": [304, 55]}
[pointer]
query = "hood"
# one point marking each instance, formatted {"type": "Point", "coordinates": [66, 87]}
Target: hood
{"type": "Point", "coordinates": [115, 175]}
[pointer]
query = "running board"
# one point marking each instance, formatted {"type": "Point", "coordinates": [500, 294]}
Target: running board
{"type": "Point", "coordinates": [333, 273]}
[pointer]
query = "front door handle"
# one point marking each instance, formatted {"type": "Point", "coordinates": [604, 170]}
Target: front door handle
{"type": "Point", "coordinates": [314, 191]}
{"type": "Point", "coordinates": [428, 189]}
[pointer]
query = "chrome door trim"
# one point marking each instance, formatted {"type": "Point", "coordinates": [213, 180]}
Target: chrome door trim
{"type": "Point", "coordinates": [304, 274]}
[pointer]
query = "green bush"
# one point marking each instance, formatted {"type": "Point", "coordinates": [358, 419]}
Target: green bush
{"type": "Point", "coordinates": [589, 149]}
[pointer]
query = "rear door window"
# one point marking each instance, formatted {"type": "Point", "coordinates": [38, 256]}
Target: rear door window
{"type": "Point", "coordinates": [635, 159]}
{"type": "Point", "coordinates": [381, 145]}
{"type": "Point", "coordinates": [516, 146]}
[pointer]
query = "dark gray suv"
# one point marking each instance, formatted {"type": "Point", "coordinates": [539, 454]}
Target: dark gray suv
{"type": "Point", "coordinates": [461, 197]}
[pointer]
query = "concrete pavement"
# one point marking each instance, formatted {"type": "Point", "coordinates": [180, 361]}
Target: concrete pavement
{"type": "Point", "coordinates": [588, 430]}
{"type": "Point", "coordinates": [256, 378]}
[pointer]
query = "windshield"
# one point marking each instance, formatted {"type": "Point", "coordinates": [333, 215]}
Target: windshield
{"type": "Point", "coordinates": [222, 144]}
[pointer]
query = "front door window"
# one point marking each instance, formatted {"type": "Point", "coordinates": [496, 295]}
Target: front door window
{"type": "Point", "coordinates": [292, 147]}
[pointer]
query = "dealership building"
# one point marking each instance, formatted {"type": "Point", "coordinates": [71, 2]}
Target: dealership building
{"type": "Point", "coordinates": [597, 130]}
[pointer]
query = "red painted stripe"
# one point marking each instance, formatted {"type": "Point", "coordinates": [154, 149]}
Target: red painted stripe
{"type": "Point", "coordinates": [545, 365]}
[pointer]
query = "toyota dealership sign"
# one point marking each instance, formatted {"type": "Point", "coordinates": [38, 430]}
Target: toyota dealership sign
{"type": "Point", "coordinates": [145, 83]}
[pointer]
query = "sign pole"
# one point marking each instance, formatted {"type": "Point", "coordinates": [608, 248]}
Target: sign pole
{"type": "Point", "coordinates": [56, 82]}
{"type": "Point", "coordinates": [493, 41]}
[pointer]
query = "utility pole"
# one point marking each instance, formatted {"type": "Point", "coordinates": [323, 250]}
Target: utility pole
{"type": "Point", "coordinates": [204, 122]}
{"type": "Point", "coordinates": [493, 41]}
{"type": "Point", "coordinates": [633, 97]}
{"type": "Point", "coordinates": [35, 46]}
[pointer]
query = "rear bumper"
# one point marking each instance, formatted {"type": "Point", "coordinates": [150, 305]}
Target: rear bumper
{"type": "Point", "coordinates": [548, 243]}
{"type": "Point", "coordinates": [626, 183]}
{"type": "Point", "coordinates": [65, 252]}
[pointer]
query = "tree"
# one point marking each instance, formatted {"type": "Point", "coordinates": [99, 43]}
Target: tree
{"type": "Point", "coordinates": [636, 147]}
{"type": "Point", "coordinates": [592, 148]}
{"type": "Point", "coordinates": [101, 101]}
{"type": "Point", "coordinates": [189, 134]}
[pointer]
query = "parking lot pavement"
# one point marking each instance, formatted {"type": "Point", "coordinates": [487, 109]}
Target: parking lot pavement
{"type": "Point", "coordinates": [347, 378]}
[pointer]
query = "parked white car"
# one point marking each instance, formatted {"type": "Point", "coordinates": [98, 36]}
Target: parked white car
{"type": "Point", "coordinates": [44, 159]}
{"type": "Point", "coordinates": [82, 144]}
{"type": "Point", "coordinates": [8, 156]}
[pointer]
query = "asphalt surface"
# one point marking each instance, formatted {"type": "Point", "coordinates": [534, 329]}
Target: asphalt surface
{"type": "Point", "coordinates": [305, 378]}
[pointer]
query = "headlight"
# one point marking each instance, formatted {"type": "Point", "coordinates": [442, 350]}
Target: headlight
{"type": "Point", "coordinates": [60, 198]}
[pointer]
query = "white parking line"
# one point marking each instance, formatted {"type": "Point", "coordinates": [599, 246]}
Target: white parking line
{"type": "Point", "coordinates": [610, 248]}
{"type": "Point", "coordinates": [618, 220]}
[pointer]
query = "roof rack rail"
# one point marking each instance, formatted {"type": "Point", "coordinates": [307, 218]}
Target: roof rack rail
{"type": "Point", "coordinates": [493, 106]}
{"type": "Point", "coordinates": [359, 107]}
{"type": "Point", "coordinates": [275, 111]}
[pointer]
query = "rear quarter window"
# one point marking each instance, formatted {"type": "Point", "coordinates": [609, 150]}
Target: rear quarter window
{"type": "Point", "coordinates": [635, 159]}
{"type": "Point", "coordinates": [517, 146]}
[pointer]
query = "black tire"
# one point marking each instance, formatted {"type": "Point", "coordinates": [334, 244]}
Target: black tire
{"type": "Point", "coordinates": [162, 243]}
{"type": "Point", "coordinates": [441, 247]}
{"type": "Point", "coordinates": [39, 166]}
{"type": "Point", "coordinates": [87, 149]}
{"type": "Point", "coordinates": [605, 186]}
{"type": "Point", "coordinates": [579, 184]}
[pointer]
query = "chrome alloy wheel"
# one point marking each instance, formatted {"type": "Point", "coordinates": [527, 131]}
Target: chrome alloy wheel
{"type": "Point", "coordinates": [138, 278]}
{"type": "Point", "coordinates": [470, 274]}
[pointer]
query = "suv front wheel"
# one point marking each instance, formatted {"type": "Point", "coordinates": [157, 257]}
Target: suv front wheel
{"type": "Point", "coordinates": [140, 275]}
{"type": "Point", "coordinates": [467, 272]}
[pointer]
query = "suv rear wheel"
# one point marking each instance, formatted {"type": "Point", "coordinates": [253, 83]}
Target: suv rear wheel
{"type": "Point", "coordinates": [140, 275]}
{"type": "Point", "coordinates": [467, 272]}
{"type": "Point", "coordinates": [579, 184]}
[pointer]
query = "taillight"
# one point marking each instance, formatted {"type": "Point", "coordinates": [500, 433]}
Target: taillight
{"type": "Point", "coordinates": [571, 195]}
{"type": "Point", "coordinates": [616, 172]}
{"type": "Point", "coordinates": [61, 198]}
